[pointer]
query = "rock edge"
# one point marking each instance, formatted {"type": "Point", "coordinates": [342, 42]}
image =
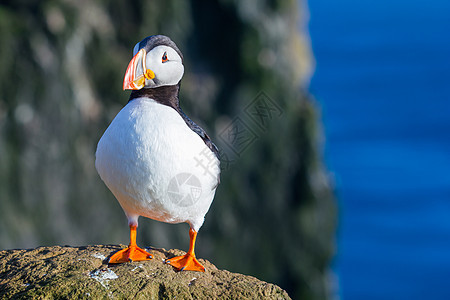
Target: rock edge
{"type": "Point", "coordinates": [83, 272]}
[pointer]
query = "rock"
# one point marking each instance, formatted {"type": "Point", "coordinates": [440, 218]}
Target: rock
{"type": "Point", "coordinates": [83, 272]}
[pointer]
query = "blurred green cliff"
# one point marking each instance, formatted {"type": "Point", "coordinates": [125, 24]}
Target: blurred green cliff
{"type": "Point", "coordinates": [247, 67]}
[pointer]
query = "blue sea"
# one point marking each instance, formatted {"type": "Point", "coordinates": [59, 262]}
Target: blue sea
{"type": "Point", "coordinates": [382, 82]}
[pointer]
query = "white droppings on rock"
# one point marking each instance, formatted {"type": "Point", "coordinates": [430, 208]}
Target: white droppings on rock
{"type": "Point", "coordinates": [137, 267]}
{"type": "Point", "coordinates": [192, 281]}
{"type": "Point", "coordinates": [99, 256]}
{"type": "Point", "coordinates": [103, 276]}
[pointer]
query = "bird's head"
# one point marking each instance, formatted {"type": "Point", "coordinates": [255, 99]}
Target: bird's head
{"type": "Point", "coordinates": [156, 62]}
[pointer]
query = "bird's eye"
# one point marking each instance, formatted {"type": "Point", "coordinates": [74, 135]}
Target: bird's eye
{"type": "Point", "coordinates": [164, 57]}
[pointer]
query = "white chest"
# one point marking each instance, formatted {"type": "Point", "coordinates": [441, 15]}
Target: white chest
{"type": "Point", "coordinates": [155, 165]}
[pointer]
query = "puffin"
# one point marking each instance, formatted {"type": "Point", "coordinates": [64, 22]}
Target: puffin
{"type": "Point", "coordinates": [157, 162]}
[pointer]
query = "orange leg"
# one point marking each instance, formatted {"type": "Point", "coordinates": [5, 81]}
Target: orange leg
{"type": "Point", "coordinates": [187, 262]}
{"type": "Point", "coordinates": [132, 253]}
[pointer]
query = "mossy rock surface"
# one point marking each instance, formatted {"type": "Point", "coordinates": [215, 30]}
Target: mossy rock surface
{"type": "Point", "coordinates": [83, 273]}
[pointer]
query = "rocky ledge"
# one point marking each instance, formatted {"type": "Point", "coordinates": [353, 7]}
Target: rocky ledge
{"type": "Point", "coordinates": [83, 272]}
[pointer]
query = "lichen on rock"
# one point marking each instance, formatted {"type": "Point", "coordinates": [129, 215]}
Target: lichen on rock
{"type": "Point", "coordinates": [83, 272]}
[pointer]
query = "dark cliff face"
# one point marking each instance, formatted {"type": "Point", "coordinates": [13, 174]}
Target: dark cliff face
{"type": "Point", "coordinates": [81, 272]}
{"type": "Point", "coordinates": [246, 70]}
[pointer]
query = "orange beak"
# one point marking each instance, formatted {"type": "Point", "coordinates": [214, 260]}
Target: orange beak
{"type": "Point", "coordinates": [137, 72]}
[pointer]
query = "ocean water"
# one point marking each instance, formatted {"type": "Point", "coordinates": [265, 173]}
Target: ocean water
{"type": "Point", "coordinates": [383, 83]}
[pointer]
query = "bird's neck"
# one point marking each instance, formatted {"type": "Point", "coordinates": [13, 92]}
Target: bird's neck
{"type": "Point", "coordinates": [166, 95]}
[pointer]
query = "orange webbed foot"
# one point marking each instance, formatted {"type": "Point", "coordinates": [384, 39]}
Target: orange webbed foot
{"type": "Point", "coordinates": [132, 253]}
{"type": "Point", "coordinates": [185, 262]}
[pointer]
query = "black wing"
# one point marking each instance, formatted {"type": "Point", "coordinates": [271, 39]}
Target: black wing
{"type": "Point", "coordinates": [198, 130]}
